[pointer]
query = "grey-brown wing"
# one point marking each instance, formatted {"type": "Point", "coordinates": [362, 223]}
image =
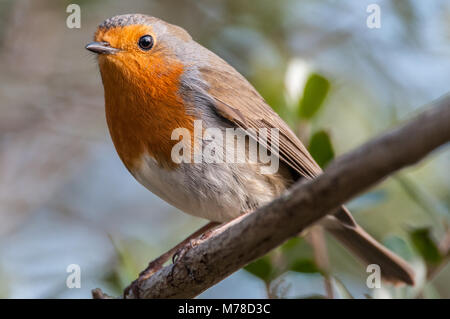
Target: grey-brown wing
{"type": "Point", "coordinates": [243, 106]}
{"type": "Point", "coordinates": [236, 100]}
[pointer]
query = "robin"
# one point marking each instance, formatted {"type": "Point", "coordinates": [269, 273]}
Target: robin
{"type": "Point", "coordinates": [156, 80]}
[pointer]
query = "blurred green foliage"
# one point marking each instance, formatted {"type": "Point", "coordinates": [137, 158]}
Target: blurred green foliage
{"type": "Point", "coordinates": [399, 246]}
{"type": "Point", "coordinates": [321, 148]}
{"type": "Point", "coordinates": [307, 266]}
{"type": "Point", "coordinates": [425, 245]}
{"type": "Point", "coordinates": [344, 293]}
{"type": "Point", "coordinates": [261, 268]}
{"type": "Point", "coordinates": [314, 94]}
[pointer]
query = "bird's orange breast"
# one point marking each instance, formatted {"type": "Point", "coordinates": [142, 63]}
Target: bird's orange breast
{"type": "Point", "coordinates": [143, 108]}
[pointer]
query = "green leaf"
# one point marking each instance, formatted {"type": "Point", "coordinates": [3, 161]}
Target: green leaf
{"type": "Point", "coordinates": [321, 148]}
{"type": "Point", "coordinates": [291, 244]}
{"type": "Point", "coordinates": [304, 266]}
{"type": "Point", "coordinates": [261, 268]}
{"type": "Point", "coordinates": [399, 246]}
{"type": "Point", "coordinates": [425, 246]}
{"type": "Point", "coordinates": [314, 93]}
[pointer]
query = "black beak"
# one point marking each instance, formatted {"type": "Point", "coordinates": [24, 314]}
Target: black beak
{"type": "Point", "coordinates": [101, 48]}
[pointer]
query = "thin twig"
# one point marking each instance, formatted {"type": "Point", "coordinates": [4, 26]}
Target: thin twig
{"type": "Point", "coordinates": [318, 242]}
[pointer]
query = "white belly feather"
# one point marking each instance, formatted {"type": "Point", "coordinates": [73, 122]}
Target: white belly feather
{"type": "Point", "coordinates": [217, 192]}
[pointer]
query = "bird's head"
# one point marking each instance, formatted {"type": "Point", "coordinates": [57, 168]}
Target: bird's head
{"type": "Point", "coordinates": [146, 66]}
{"type": "Point", "coordinates": [141, 48]}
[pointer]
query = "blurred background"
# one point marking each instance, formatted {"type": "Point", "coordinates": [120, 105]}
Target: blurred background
{"type": "Point", "coordinates": [65, 197]}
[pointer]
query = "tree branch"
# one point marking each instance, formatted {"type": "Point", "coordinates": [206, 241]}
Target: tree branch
{"type": "Point", "coordinates": [253, 235]}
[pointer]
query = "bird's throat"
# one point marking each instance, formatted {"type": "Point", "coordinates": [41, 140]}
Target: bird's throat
{"type": "Point", "coordinates": [142, 114]}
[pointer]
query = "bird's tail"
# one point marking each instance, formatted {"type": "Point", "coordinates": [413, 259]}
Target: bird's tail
{"type": "Point", "coordinates": [393, 268]}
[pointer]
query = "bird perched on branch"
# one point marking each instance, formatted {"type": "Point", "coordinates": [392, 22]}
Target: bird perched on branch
{"type": "Point", "coordinates": [157, 79]}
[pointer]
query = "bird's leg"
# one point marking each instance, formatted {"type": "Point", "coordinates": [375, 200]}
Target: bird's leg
{"type": "Point", "coordinates": [191, 242]}
{"type": "Point", "coordinates": [158, 263]}
{"type": "Point", "coordinates": [194, 241]}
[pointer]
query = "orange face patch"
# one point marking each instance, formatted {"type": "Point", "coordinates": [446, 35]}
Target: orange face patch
{"type": "Point", "coordinates": [142, 103]}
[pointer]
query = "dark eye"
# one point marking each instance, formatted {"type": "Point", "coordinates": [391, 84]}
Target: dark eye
{"type": "Point", "coordinates": [146, 42]}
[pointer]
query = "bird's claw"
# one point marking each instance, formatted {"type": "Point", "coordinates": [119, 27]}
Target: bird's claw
{"type": "Point", "coordinates": [183, 250]}
{"type": "Point", "coordinates": [191, 244]}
